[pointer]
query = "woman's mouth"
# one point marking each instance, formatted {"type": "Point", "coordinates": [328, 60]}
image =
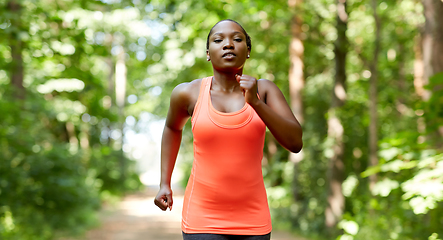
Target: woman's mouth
{"type": "Point", "coordinates": [228, 55]}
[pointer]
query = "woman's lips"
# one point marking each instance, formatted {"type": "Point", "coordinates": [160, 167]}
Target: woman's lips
{"type": "Point", "coordinates": [228, 55]}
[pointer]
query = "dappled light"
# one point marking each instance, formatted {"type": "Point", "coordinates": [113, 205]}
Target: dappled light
{"type": "Point", "coordinates": [61, 85]}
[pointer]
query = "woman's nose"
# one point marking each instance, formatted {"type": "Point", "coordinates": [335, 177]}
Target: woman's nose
{"type": "Point", "coordinates": [228, 44]}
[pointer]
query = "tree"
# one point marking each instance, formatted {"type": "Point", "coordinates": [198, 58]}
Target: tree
{"type": "Point", "coordinates": [432, 39]}
{"type": "Point", "coordinates": [433, 65]}
{"type": "Point", "coordinates": [296, 79]}
{"type": "Point", "coordinates": [336, 201]}
{"type": "Point", "coordinates": [373, 102]}
{"type": "Point", "coordinates": [57, 58]}
{"type": "Point", "coordinates": [16, 45]}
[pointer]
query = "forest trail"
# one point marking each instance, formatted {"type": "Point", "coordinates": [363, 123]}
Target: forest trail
{"type": "Point", "coordinates": [136, 218]}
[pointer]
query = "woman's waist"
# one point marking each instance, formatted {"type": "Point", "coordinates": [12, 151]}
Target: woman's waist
{"type": "Point", "coordinates": [228, 174]}
{"type": "Point", "coordinates": [228, 191]}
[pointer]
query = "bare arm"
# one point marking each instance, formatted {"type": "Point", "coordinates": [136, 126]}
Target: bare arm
{"type": "Point", "coordinates": [171, 139]}
{"type": "Point", "coordinates": [275, 113]}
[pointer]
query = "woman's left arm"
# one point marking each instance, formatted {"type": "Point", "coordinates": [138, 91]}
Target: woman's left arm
{"type": "Point", "coordinates": [275, 113]}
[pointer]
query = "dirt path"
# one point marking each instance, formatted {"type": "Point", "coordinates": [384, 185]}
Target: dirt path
{"type": "Point", "coordinates": [137, 218]}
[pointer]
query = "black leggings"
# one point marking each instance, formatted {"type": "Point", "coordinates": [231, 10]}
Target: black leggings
{"type": "Point", "coordinates": [210, 236]}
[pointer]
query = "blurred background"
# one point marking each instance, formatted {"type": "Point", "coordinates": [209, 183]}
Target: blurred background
{"type": "Point", "coordinates": [85, 86]}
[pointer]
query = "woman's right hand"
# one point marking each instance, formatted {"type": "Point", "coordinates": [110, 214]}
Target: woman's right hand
{"type": "Point", "coordinates": [163, 200]}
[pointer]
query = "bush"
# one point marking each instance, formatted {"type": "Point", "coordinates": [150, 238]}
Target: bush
{"type": "Point", "coordinates": [45, 187]}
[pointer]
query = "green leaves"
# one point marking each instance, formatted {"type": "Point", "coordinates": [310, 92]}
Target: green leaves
{"type": "Point", "coordinates": [69, 54]}
{"type": "Point", "coordinates": [425, 189]}
{"type": "Point", "coordinates": [52, 167]}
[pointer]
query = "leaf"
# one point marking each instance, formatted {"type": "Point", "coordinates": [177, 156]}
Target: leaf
{"type": "Point", "coordinates": [435, 80]}
{"type": "Point", "coordinates": [389, 154]}
{"type": "Point", "coordinates": [384, 187]}
{"type": "Point", "coordinates": [349, 226]}
{"type": "Point", "coordinates": [370, 171]}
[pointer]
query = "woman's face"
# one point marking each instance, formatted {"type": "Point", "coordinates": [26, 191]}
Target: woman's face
{"type": "Point", "coordinates": [227, 46]}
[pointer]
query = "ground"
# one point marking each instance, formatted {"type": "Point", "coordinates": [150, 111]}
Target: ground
{"type": "Point", "coordinates": [136, 218]}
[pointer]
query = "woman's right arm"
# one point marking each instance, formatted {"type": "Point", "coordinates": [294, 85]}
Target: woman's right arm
{"type": "Point", "coordinates": [172, 134]}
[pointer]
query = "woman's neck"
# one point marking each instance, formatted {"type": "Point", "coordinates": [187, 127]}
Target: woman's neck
{"type": "Point", "coordinates": [226, 81]}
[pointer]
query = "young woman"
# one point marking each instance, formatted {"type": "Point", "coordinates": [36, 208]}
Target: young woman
{"type": "Point", "coordinates": [225, 197]}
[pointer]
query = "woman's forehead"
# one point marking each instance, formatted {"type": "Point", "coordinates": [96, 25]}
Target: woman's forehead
{"type": "Point", "coordinates": [226, 27]}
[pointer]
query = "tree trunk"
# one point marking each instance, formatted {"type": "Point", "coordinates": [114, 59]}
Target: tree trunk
{"type": "Point", "coordinates": [419, 68]}
{"type": "Point", "coordinates": [401, 102]}
{"type": "Point", "coordinates": [271, 148]}
{"type": "Point", "coordinates": [296, 80]}
{"type": "Point", "coordinates": [111, 87]}
{"type": "Point", "coordinates": [419, 83]}
{"type": "Point", "coordinates": [73, 140]}
{"type": "Point", "coordinates": [16, 50]}
{"type": "Point", "coordinates": [433, 38]}
{"type": "Point", "coordinates": [120, 95]}
{"type": "Point", "coordinates": [373, 138]}
{"type": "Point", "coordinates": [336, 200]}
{"type": "Point", "coordinates": [120, 81]}
{"type": "Point", "coordinates": [433, 54]}
{"type": "Point", "coordinates": [108, 100]}
{"type": "Point", "coordinates": [401, 73]}
{"type": "Point", "coordinates": [84, 136]}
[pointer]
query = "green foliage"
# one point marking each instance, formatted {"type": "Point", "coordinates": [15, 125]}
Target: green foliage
{"type": "Point", "coordinates": [41, 181]}
{"type": "Point", "coordinates": [57, 160]}
{"type": "Point", "coordinates": [105, 163]}
{"type": "Point", "coordinates": [432, 108]}
{"type": "Point", "coordinates": [58, 157]}
{"type": "Point", "coordinates": [409, 191]}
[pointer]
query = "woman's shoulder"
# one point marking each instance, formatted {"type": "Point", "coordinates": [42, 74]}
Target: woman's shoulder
{"type": "Point", "coordinates": [266, 88]}
{"type": "Point", "coordinates": [265, 82]}
{"type": "Point", "coordinates": [186, 94]}
{"type": "Point", "coordinates": [265, 85]}
{"type": "Point", "coordinates": [187, 89]}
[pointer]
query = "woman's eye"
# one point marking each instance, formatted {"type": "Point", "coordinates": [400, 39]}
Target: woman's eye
{"type": "Point", "coordinates": [217, 40]}
{"type": "Point", "coordinates": [238, 39]}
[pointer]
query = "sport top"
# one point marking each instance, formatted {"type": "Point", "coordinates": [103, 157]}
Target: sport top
{"type": "Point", "coordinates": [225, 192]}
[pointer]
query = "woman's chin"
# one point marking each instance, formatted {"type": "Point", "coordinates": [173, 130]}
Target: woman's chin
{"type": "Point", "coordinates": [228, 67]}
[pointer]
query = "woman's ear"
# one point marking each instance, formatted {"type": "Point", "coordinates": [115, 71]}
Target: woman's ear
{"type": "Point", "coordinates": [249, 52]}
{"type": "Point", "coordinates": [208, 58]}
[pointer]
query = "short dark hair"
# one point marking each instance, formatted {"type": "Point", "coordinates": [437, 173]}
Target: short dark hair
{"type": "Point", "coordinates": [248, 39]}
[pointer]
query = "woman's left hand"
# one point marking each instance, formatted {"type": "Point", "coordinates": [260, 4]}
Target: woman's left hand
{"type": "Point", "coordinates": [248, 85]}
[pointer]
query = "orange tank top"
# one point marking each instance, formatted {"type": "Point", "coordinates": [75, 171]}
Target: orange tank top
{"type": "Point", "coordinates": [225, 192]}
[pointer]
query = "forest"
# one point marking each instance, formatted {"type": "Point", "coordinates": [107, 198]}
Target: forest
{"type": "Point", "coordinates": [363, 77]}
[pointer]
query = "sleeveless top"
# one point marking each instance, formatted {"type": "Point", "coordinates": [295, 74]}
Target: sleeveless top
{"type": "Point", "coordinates": [225, 192]}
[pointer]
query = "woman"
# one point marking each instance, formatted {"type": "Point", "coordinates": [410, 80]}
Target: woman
{"type": "Point", "coordinates": [225, 197]}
